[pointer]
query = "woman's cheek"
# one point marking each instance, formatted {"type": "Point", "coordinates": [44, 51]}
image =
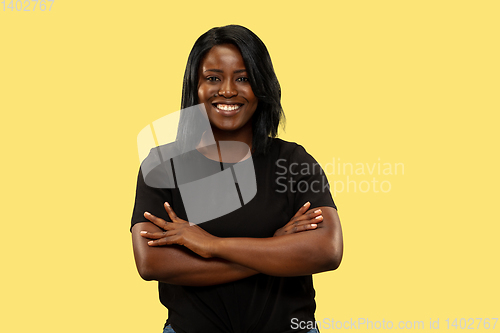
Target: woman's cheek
{"type": "Point", "coordinates": [204, 92]}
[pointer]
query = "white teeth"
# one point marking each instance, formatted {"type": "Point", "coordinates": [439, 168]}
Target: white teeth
{"type": "Point", "coordinates": [228, 107]}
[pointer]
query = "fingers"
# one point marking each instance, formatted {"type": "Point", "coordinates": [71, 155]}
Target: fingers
{"type": "Point", "coordinates": [160, 238]}
{"type": "Point", "coordinates": [304, 227]}
{"type": "Point", "coordinates": [312, 214]}
{"type": "Point", "coordinates": [171, 213]}
{"type": "Point", "coordinates": [161, 222]}
{"type": "Point", "coordinates": [157, 235]}
{"type": "Point", "coordinates": [163, 241]}
{"type": "Point", "coordinates": [299, 227]}
{"type": "Point", "coordinates": [156, 220]}
{"type": "Point", "coordinates": [302, 209]}
{"type": "Point", "coordinates": [307, 221]}
{"type": "Point", "coordinates": [310, 223]}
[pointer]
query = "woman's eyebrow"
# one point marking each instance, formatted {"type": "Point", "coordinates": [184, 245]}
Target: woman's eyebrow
{"type": "Point", "coordinates": [221, 71]}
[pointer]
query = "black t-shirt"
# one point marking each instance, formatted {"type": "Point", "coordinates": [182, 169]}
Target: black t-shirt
{"type": "Point", "coordinates": [287, 177]}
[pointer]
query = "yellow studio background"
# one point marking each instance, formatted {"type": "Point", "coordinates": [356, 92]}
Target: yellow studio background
{"type": "Point", "coordinates": [367, 85]}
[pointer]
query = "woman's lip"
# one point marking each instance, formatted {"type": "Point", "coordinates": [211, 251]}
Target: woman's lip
{"type": "Point", "coordinates": [226, 103]}
{"type": "Point", "coordinates": [227, 113]}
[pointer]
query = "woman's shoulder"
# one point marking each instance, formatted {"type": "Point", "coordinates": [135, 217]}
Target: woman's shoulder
{"type": "Point", "coordinates": [291, 152]}
{"type": "Point", "coordinates": [284, 145]}
{"type": "Point", "coordinates": [287, 148]}
{"type": "Point", "coordinates": [156, 168]}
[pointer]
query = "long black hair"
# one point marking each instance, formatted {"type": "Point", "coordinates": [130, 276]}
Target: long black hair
{"type": "Point", "coordinates": [262, 78]}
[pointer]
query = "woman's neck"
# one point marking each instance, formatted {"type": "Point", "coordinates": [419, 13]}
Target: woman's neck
{"type": "Point", "coordinates": [227, 147]}
{"type": "Point", "coordinates": [231, 136]}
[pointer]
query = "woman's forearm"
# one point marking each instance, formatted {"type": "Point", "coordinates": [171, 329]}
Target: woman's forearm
{"type": "Point", "coordinates": [302, 253]}
{"type": "Point", "coordinates": [177, 265]}
{"type": "Point", "coordinates": [231, 259]}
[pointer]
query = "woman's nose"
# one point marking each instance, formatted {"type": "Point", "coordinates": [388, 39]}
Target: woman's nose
{"type": "Point", "coordinates": [228, 89]}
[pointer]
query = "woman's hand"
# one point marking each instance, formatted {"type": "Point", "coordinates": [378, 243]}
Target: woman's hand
{"type": "Point", "coordinates": [180, 232]}
{"type": "Point", "coordinates": [302, 220]}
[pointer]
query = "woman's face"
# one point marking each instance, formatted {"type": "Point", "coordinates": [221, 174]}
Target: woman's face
{"type": "Point", "coordinates": [225, 90]}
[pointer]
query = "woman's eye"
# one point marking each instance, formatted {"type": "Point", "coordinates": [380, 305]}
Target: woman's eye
{"type": "Point", "coordinates": [212, 78]}
{"type": "Point", "coordinates": [243, 79]}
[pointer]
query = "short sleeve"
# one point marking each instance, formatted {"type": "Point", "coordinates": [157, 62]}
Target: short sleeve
{"type": "Point", "coordinates": [149, 199]}
{"type": "Point", "coordinates": [308, 181]}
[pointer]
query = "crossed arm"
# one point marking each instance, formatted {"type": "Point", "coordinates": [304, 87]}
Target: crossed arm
{"type": "Point", "coordinates": [177, 264]}
{"type": "Point", "coordinates": [178, 253]}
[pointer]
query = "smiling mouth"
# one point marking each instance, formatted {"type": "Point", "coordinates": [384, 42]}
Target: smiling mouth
{"type": "Point", "coordinates": [226, 107]}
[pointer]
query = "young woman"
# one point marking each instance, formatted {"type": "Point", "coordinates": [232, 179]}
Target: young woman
{"type": "Point", "coordinates": [249, 270]}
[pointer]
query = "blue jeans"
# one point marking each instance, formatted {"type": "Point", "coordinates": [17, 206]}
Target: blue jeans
{"type": "Point", "coordinates": [168, 329]}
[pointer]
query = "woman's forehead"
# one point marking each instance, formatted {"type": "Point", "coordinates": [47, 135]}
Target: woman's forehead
{"type": "Point", "coordinates": [224, 55]}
